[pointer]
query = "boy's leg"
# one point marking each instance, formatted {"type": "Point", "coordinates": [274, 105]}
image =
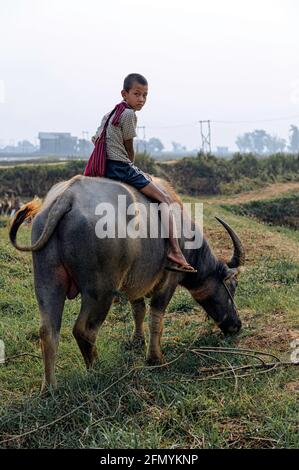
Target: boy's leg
{"type": "Point", "coordinates": [175, 254]}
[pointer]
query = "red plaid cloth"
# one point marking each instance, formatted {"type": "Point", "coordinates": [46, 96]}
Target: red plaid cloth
{"type": "Point", "coordinates": [96, 165]}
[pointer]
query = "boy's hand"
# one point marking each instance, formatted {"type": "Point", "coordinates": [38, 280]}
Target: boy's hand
{"type": "Point", "coordinates": [130, 149]}
{"type": "Point", "coordinates": [149, 176]}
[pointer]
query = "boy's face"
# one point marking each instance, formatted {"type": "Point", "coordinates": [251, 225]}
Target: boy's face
{"type": "Point", "coordinates": [136, 96]}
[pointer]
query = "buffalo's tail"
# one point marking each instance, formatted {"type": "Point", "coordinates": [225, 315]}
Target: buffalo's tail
{"type": "Point", "coordinates": [60, 206]}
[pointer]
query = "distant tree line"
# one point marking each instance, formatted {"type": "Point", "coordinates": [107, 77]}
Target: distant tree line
{"type": "Point", "coordinates": [154, 146]}
{"type": "Point", "coordinates": [151, 146]}
{"type": "Point", "coordinates": [256, 142]}
{"type": "Point", "coordinates": [259, 141]}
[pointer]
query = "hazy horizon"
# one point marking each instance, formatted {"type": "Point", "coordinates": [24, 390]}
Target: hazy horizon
{"type": "Point", "coordinates": [62, 65]}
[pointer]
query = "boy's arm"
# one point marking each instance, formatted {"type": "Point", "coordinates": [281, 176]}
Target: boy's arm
{"type": "Point", "coordinates": [99, 130]}
{"type": "Point", "coordinates": [130, 149]}
{"type": "Point", "coordinates": [97, 134]}
{"type": "Point", "coordinates": [128, 127]}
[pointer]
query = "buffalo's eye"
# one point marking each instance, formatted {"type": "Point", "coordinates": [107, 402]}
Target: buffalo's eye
{"type": "Point", "coordinates": [232, 283]}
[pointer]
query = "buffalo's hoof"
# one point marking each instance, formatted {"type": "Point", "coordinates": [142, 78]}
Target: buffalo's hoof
{"type": "Point", "coordinates": [155, 360]}
{"type": "Point", "coordinates": [136, 342]}
{"type": "Point", "coordinates": [47, 390]}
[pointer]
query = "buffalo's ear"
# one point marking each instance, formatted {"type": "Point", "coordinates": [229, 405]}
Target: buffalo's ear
{"type": "Point", "coordinates": [231, 272]}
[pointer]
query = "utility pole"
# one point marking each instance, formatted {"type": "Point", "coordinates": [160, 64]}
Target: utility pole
{"type": "Point", "coordinates": [141, 128]}
{"type": "Point", "coordinates": [205, 131]}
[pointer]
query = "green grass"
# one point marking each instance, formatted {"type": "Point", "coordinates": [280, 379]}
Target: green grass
{"type": "Point", "coordinates": [170, 407]}
{"type": "Point", "coordinates": [279, 211]}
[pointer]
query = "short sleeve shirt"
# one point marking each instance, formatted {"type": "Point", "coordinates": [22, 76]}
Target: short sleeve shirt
{"type": "Point", "coordinates": [115, 135]}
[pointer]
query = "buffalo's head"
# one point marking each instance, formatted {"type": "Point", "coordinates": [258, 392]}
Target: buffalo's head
{"type": "Point", "coordinates": [215, 293]}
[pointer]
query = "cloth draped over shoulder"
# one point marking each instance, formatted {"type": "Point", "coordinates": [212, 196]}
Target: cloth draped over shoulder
{"type": "Point", "coordinates": [96, 165]}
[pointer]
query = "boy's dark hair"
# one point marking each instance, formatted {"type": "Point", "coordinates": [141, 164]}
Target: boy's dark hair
{"type": "Point", "coordinates": [134, 77]}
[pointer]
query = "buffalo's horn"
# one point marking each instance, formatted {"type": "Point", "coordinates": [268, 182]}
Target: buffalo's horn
{"type": "Point", "coordinates": [238, 258]}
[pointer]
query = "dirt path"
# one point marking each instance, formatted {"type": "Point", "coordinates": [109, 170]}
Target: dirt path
{"type": "Point", "coordinates": [257, 242]}
{"type": "Point", "coordinates": [271, 191]}
{"type": "Point", "coordinates": [14, 165]}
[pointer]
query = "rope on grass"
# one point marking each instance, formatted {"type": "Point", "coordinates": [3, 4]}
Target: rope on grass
{"type": "Point", "coordinates": [98, 395]}
{"type": "Point", "coordinates": [267, 367]}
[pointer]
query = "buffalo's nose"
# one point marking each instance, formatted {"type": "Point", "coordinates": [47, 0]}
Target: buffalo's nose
{"type": "Point", "coordinates": [235, 328]}
{"type": "Point", "coordinates": [231, 328]}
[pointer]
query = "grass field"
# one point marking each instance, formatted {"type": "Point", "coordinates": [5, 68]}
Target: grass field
{"type": "Point", "coordinates": [124, 404]}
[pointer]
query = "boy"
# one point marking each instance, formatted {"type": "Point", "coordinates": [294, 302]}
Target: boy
{"type": "Point", "coordinates": [117, 135]}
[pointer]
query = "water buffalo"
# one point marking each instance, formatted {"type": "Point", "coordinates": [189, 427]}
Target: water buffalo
{"type": "Point", "coordinates": [69, 258]}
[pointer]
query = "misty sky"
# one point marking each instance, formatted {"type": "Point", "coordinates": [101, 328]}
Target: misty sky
{"type": "Point", "coordinates": [62, 64]}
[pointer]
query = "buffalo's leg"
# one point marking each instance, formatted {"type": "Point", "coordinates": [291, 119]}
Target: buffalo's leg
{"type": "Point", "coordinates": [139, 311]}
{"type": "Point", "coordinates": [51, 300]}
{"type": "Point", "coordinates": [159, 303]}
{"type": "Point", "coordinates": [92, 314]}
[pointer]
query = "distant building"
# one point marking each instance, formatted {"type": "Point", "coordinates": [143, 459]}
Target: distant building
{"type": "Point", "coordinates": [57, 143]}
{"type": "Point", "coordinates": [23, 146]}
{"type": "Point", "coordinates": [62, 144]}
{"type": "Point", "coordinates": [222, 151]}
{"type": "Point", "coordinates": [9, 149]}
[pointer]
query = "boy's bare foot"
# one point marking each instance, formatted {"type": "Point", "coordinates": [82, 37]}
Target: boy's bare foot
{"type": "Point", "coordinates": [181, 262]}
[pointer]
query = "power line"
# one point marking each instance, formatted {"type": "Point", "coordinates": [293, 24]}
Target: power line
{"type": "Point", "coordinates": [173, 127]}
{"type": "Point", "coordinates": [253, 121]}
{"type": "Point", "coordinates": [286, 118]}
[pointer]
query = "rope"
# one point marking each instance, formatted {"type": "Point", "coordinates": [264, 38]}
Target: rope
{"type": "Point", "coordinates": [267, 367]}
